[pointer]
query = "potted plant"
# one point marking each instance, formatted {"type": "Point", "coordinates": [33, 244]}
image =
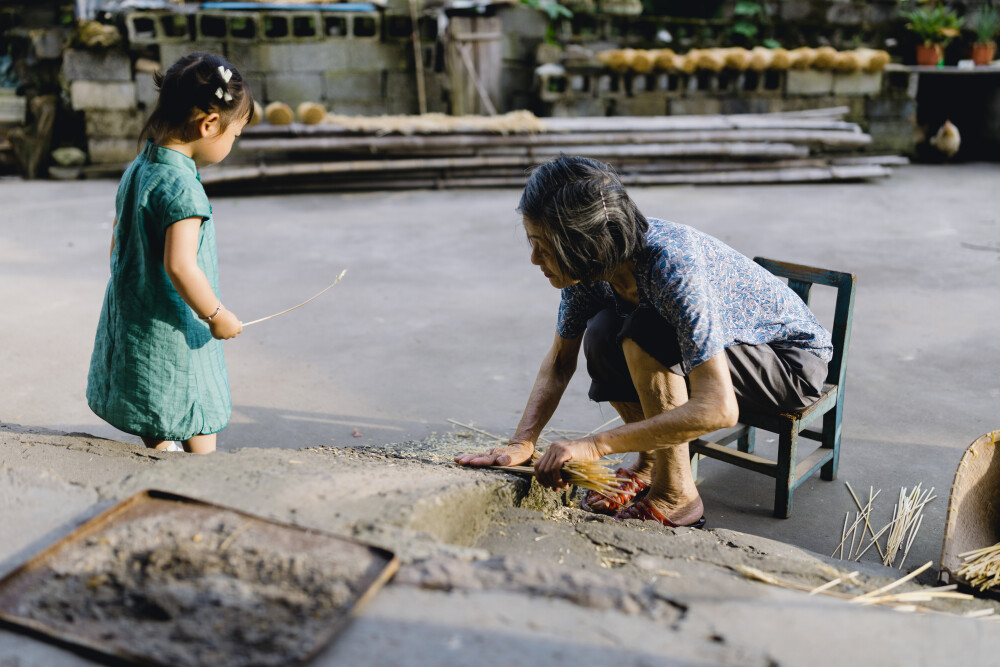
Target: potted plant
{"type": "Point", "coordinates": [935, 26]}
{"type": "Point", "coordinates": [986, 23]}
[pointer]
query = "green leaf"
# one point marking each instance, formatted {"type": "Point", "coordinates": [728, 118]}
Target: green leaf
{"type": "Point", "coordinates": [745, 29]}
{"type": "Point", "coordinates": [744, 8]}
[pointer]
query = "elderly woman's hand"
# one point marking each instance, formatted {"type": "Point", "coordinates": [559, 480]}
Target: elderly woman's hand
{"type": "Point", "coordinates": [548, 468]}
{"type": "Point", "coordinates": [513, 454]}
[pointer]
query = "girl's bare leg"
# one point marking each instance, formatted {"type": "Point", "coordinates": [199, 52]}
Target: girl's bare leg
{"type": "Point", "coordinates": [153, 443]}
{"type": "Point", "coordinates": [200, 444]}
{"type": "Point", "coordinates": [631, 413]}
{"type": "Point", "coordinates": [673, 491]}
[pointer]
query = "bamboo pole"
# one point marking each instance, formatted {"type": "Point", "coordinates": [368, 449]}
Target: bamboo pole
{"type": "Point", "coordinates": [829, 138]}
{"type": "Point", "coordinates": [599, 124]}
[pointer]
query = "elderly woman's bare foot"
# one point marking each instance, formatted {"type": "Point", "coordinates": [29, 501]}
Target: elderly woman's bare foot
{"type": "Point", "coordinates": [690, 513]}
{"type": "Point", "coordinates": [513, 454]}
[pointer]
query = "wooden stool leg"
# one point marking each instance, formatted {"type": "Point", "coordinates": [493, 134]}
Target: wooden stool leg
{"type": "Point", "coordinates": [694, 466]}
{"type": "Point", "coordinates": [831, 440]}
{"type": "Point", "coordinates": [746, 442]}
{"type": "Point", "coordinates": [784, 483]}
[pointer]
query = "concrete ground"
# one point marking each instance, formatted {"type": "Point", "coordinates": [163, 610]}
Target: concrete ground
{"type": "Point", "coordinates": [441, 316]}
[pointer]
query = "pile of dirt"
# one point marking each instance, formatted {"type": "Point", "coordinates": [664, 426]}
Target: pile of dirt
{"type": "Point", "coordinates": [213, 588]}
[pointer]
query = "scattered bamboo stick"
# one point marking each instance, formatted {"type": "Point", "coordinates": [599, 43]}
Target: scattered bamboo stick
{"type": "Point", "coordinates": [982, 567]}
{"type": "Point", "coordinates": [907, 513]}
{"type": "Point", "coordinates": [867, 524]}
{"type": "Point", "coordinates": [881, 596]}
{"type": "Point", "coordinates": [288, 310]}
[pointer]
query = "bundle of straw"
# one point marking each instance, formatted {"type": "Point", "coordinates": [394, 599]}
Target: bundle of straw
{"type": "Point", "coordinates": [982, 567]}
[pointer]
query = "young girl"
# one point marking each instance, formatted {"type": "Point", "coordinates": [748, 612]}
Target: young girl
{"type": "Point", "coordinates": [158, 369]}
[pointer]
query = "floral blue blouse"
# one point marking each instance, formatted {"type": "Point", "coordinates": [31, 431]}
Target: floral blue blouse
{"type": "Point", "coordinates": [712, 295]}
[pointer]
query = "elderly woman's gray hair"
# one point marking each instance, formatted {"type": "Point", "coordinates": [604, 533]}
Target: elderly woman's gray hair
{"type": "Point", "coordinates": [590, 221]}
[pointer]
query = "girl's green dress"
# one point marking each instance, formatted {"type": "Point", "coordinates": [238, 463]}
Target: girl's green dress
{"type": "Point", "coordinates": [156, 371]}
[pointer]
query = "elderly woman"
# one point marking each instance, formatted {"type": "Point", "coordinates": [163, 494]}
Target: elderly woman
{"type": "Point", "coordinates": [679, 331]}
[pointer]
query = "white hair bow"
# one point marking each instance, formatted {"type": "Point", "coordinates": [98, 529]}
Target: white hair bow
{"type": "Point", "coordinates": [227, 74]}
{"type": "Point", "coordinates": [220, 94]}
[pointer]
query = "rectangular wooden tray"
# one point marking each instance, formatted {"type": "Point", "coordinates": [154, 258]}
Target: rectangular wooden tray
{"type": "Point", "coordinates": [376, 567]}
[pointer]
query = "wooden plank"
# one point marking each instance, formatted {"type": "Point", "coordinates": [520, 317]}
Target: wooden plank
{"type": "Point", "coordinates": [805, 175]}
{"type": "Point", "coordinates": [808, 466]}
{"type": "Point", "coordinates": [800, 272]}
{"type": "Point", "coordinates": [610, 124]}
{"type": "Point", "coordinates": [422, 142]}
{"type": "Point", "coordinates": [735, 457]}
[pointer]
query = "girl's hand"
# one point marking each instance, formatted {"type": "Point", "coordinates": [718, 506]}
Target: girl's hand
{"type": "Point", "coordinates": [548, 469]}
{"type": "Point", "coordinates": [225, 325]}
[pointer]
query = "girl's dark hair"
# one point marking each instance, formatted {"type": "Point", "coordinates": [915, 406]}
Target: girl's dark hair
{"type": "Point", "coordinates": [194, 85]}
{"type": "Point", "coordinates": [587, 217]}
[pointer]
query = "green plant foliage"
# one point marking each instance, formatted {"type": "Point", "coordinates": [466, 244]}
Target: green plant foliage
{"type": "Point", "coordinates": [751, 22]}
{"type": "Point", "coordinates": [986, 23]}
{"type": "Point", "coordinates": [933, 24]}
{"type": "Point", "coordinates": [550, 8]}
{"type": "Point", "coordinates": [554, 11]}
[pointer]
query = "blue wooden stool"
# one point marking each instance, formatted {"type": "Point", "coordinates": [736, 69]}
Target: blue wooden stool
{"type": "Point", "coordinates": [788, 470]}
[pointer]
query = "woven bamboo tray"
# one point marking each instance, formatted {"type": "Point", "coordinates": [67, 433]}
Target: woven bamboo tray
{"type": "Point", "coordinates": [973, 506]}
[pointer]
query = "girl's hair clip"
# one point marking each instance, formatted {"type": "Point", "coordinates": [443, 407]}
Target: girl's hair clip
{"type": "Point", "coordinates": [226, 74]}
{"type": "Point", "coordinates": [221, 95]}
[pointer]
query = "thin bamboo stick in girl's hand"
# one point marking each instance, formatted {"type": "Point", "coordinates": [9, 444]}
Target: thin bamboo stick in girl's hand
{"type": "Point", "coordinates": [288, 310]}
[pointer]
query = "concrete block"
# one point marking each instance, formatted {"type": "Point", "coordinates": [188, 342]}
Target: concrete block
{"type": "Point", "coordinates": [552, 87]}
{"type": "Point", "coordinates": [403, 100]}
{"type": "Point", "coordinates": [297, 26]}
{"type": "Point", "coordinates": [227, 26]}
{"type": "Point", "coordinates": [114, 123]}
{"type": "Point", "coordinates": [146, 94]}
{"type": "Point", "coordinates": [102, 95]}
{"type": "Point", "coordinates": [111, 151]}
{"type": "Point", "coordinates": [583, 107]}
{"type": "Point", "coordinates": [156, 27]}
{"type": "Point", "coordinates": [360, 86]}
{"type": "Point", "coordinates": [696, 106]}
{"type": "Point", "coordinates": [893, 136]}
{"type": "Point", "coordinates": [646, 104]}
{"type": "Point", "coordinates": [755, 104]}
{"type": "Point", "coordinates": [314, 56]}
{"type": "Point", "coordinates": [258, 85]}
{"type": "Point", "coordinates": [809, 82]}
{"type": "Point", "coordinates": [13, 107]}
{"type": "Point", "coordinates": [90, 66]}
{"type": "Point", "coordinates": [359, 107]}
{"type": "Point", "coordinates": [47, 43]}
{"type": "Point", "coordinates": [367, 55]}
{"type": "Point", "coordinates": [858, 83]}
{"type": "Point", "coordinates": [294, 88]}
{"type": "Point", "coordinates": [172, 52]}
{"type": "Point", "coordinates": [888, 108]}
{"type": "Point", "coordinates": [365, 26]}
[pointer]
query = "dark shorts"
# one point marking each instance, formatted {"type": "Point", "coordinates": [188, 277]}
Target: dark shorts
{"type": "Point", "coordinates": [766, 378]}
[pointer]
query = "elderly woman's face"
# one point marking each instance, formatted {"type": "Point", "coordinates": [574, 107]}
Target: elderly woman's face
{"type": "Point", "coordinates": [543, 257]}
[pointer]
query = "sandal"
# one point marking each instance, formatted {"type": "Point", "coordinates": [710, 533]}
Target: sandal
{"type": "Point", "coordinates": [629, 487]}
{"type": "Point", "coordinates": [642, 509]}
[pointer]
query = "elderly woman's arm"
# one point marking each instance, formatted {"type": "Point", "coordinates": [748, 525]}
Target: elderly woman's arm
{"type": "Point", "coordinates": [711, 406]}
{"type": "Point", "coordinates": [553, 377]}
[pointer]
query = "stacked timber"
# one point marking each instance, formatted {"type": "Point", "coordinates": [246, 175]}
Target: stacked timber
{"type": "Point", "coordinates": [414, 152]}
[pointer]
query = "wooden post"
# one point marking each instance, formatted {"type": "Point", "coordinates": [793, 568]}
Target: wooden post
{"type": "Point", "coordinates": [418, 59]}
{"type": "Point", "coordinates": [474, 61]}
